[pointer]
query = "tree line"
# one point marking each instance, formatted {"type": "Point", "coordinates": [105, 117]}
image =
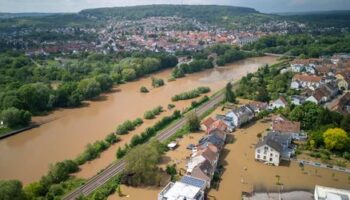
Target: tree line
{"type": "Point", "coordinates": [28, 89]}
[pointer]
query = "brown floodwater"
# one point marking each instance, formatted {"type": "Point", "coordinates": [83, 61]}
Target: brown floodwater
{"type": "Point", "coordinates": [66, 132]}
{"type": "Point", "coordinates": [242, 173]}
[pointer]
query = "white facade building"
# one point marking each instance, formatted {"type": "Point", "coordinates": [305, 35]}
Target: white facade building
{"type": "Point", "coordinates": [327, 193]}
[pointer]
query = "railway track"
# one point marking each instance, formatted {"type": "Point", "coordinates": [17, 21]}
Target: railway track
{"type": "Point", "coordinates": [117, 167]}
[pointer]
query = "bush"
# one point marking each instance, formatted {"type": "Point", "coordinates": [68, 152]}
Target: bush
{"type": "Point", "coordinates": [171, 106]}
{"type": "Point", "coordinates": [148, 133]}
{"type": "Point", "coordinates": [152, 113]}
{"type": "Point", "coordinates": [143, 89]}
{"type": "Point", "coordinates": [112, 138]}
{"type": "Point", "coordinates": [346, 155]}
{"type": "Point", "coordinates": [191, 94]}
{"type": "Point", "coordinates": [14, 117]}
{"type": "Point", "coordinates": [157, 82]}
{"type": "Point", "coordinates": [127, 126]}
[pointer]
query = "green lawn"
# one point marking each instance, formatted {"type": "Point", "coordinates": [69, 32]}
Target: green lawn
{"type": "Point", "coordinates": [5, 130]}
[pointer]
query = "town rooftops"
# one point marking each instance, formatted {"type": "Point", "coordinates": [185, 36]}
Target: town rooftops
{"type": "Point", "coordinates": [328, 193]}
{"type": "Point", "coordinates": [307, 78]}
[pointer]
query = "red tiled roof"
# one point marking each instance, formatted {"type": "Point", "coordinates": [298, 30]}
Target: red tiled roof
{"type": "Point", "coordinates": [285, 126]}
{"type": "Point", "coordinates": [307, 78]}
{"type": "Point", "coordinates": [218, 124]}
{"type": "Point", "coordinates": [208, 122]}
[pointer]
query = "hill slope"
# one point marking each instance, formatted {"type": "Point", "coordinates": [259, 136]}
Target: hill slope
{"type": "Point", "coordinates": [204, 13]}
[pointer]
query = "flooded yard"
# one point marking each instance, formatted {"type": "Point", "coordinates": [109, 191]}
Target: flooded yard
{"type": "Point", "coordinates": [66, 132]}
{"type": "Point", "coordinates": [242, 173]}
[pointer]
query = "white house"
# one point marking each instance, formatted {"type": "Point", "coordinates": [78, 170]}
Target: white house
{"type": "Point", "coordinates": [274, 148]}
{"type": "Point", "coordinates": [328, 193]}
{"type": "Point", "coordinates": [281, 102]}
{"type": "Point", "coordinates": [241, 115]}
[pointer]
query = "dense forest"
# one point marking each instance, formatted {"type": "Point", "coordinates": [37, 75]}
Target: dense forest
{"type": "Point", "coordinates": [28, 85]}
{"type": "Point", "coordinates": [304, 45]}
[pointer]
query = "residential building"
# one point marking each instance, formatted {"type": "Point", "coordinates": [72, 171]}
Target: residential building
{"type": "Point", "coordinates": [298, 99]}
{"type": "Point", "coordinates": [281, 102]}
{"type": "Point", "coordinates": [188, 188]}
{"type": "Point", "coordinates": [257, 106]}
{"type": "Point", "coordinates": [328, 193]}
{"type": "Point", "coordinates": [241, 115]}
{"type": "Point", "coordinates": [300, 81]}
{"type": "Point", "coordinates": [283, 125]}
{"type": "Point", "coordinates": [274, 148]}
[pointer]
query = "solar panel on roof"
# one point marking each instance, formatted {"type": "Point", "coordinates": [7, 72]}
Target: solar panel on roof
{"type": "Point", "coordinates": [189, 180]}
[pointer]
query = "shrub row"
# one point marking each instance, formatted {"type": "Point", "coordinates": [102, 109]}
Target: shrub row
{"type": "Point", "coordinates": [148, 133]}
{"type": "Point", "coordinates": [92, 151]}
{"type": "Point", "coordinates": [151, 114]}
{"type": "Point", "coordinates": [191, 94]}
{"type": "Point", "coordinates": [128, 125]}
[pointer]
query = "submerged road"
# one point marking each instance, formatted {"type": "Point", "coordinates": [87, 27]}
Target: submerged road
{"type": "Point", "coordinates": [117, 167]}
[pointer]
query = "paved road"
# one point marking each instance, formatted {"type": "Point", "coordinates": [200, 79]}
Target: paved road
{"type": "Point", "coordinates": [117, 167]}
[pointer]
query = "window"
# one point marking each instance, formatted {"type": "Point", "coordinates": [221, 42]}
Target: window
{"type": "Point", "coordinates": [258, 150]}
{"type": "Point", "coordinates": [271, 154]}
{"type": "Point", "coordinates": [266, 148]}
{"type": "Point", "coordinates": [270, 159]}
{"type": "Point", "coordinates": [258, 156]}
{"type": "Point", "coordinates": [264, 157]}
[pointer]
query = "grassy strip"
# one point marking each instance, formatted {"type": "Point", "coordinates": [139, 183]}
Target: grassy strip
{"type": "Point", "coordinates": [5, 130]}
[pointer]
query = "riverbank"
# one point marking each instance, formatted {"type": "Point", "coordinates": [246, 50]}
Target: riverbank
{"type": "Point", "coordinates": [68, 131]}
{"type": "Point", "coordinates": [11, 132]}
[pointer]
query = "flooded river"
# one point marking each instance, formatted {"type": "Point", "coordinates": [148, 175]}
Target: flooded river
{"type": "Point", "coordinates": [66, 132]}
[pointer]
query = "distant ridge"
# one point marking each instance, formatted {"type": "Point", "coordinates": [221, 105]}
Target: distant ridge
{"type": "Point", "coordinates": [201, 12]}
{"type": "Point", "coordinates": [29, 14]}
{"type": "Point", "coordinates": [320, 12]}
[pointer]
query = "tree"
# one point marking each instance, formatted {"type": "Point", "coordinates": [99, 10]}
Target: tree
{"type": "Point", "coordinates": [89, 88]}
{"type": "Point", "coordinates": [11, 190]}
{"type": "Point", "coordinates": [141, 164]}
{"type": "Point", "coordinates": [193, 122]}
{"type": "Point", "coordinates": [13, 117]}
{"type": "Point", "coordinates": [336, 139]}
{"type": "Point", "coordinates": [128, 74]}
{"type": "Point", "coordinates": [177, 72]}
{"type": "Point", "coordinates": [35, 97]}
{"type": "Point", "coordinates": [229, 94]}
{"type": "Point", "coordinates": [105, 81]}
{"type": "Point", "coordinates": [35, 189]}
{"type": "Point", "coordinates": [345, 123]}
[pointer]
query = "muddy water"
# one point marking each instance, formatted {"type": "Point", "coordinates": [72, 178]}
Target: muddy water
{"type": "Point", "coordinates": [242, 172]}
{"type": "Point", "coordinates": [66, 132]}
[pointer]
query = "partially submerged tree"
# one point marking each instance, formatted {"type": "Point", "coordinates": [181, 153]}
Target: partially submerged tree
{"type": "Point", "coordinates": [141, 164]}
{"type": "Point", "coordinates": [193, 122]}
{"type": "Point", "coordinates": [229, 94]}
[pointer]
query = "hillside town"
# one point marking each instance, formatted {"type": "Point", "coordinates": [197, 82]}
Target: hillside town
{"type": "Point", "coordinates": [158, 34]}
